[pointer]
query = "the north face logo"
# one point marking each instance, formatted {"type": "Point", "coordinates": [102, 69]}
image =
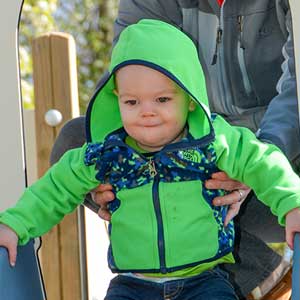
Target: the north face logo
{"type": "Point", "coordinates": [191, 155]}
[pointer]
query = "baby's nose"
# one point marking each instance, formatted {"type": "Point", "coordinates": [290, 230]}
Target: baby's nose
{"type": "Point", "coordinates": [147, 110]}
{"type": "Point", "coordinates": [148, 114]}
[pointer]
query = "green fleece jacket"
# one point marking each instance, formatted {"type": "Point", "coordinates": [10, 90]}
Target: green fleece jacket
{"type": "Point", "coordinates": [160, 222]}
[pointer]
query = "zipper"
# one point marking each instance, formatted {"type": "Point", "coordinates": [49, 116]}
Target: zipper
{"type": "Point", "coordinates": [156, 203]}
{"type": "Point", "coordinates": [218, 37]}
{"type": "Point", "coordinates": [240, 24]}
{"type": "Point", "coordinates": [241, 56]}
{"type": "Point", "coordinates": [160, 228]}
{"type": "Point", "coordinates": [218, 41]}
{"type": "Point", "coordinates": [223, 84]}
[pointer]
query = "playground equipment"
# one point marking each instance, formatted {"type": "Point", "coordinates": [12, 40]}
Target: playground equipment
{"type": "Point", "coordinates": [12, 161]}
{"type": "Point", "coordinates": [24, 281]}
{"type": "Point", "coordinates": [296, 269]}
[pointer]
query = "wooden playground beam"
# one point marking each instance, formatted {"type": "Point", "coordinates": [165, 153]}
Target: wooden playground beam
{"type": "Point", "coordinates": [55, 87]}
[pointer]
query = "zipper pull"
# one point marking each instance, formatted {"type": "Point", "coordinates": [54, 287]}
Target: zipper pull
{"type": "Point", "coordinates": [152, 169]}
{"type": "Point", "coordinates": [240, 30]}
{"type": "Point", "coordinates": [218, 41]}
{"type": "Point", "coordinates": [240, 23]}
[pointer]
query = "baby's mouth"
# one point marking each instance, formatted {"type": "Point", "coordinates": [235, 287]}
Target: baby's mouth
{"type": "Point", "coordinates": [150, 124]}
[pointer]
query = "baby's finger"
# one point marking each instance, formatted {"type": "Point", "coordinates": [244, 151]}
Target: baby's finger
{"type": "Point", "coordinates": [12, 253]}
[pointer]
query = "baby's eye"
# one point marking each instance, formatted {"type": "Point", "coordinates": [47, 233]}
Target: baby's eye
{"type": "Point", "coordinates": [163, 99]}
{"type": "Point", "coordinates": [130, 102]}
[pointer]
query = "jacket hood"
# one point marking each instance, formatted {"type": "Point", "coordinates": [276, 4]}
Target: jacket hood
{"type": "Point", "coordinates": [165, 48]}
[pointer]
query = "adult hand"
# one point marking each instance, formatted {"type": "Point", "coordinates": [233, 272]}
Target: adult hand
{"type": "Point", "coordinates": [102, 195]}
{"type": "Point", "coordinates": [238, 193]}
{"type": "Point", "coordinates": [9, 240]}
{"type": "Point", "coordinates": [292, 222]}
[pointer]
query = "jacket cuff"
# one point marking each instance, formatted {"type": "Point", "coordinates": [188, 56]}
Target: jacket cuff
{"type": "Point", "coordinates": [16, 226]}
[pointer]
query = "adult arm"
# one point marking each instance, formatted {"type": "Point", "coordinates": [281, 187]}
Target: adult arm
{"type": "Point", "coordinates": [280, 124]}
{"type": "Point", "coordinates": [131, 11]}
{"type": "Point", "coordinates": [72, 135]}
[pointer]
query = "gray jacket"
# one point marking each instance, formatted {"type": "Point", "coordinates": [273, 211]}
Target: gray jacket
{"type": "Point", "coordinates": [246, 50]}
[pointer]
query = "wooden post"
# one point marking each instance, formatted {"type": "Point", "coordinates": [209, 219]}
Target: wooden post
{"type": "Point", "coordinates": [55, 87]}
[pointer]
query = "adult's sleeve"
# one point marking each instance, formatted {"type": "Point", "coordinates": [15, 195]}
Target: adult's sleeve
{"type": "Point", "coordinates": [280, 124]}
{"type": "Point", "coordinates": [131, 11]}
{"type": "Point", "coordinates": [261, 166]}
{"type": "Point", "coordinates": [72, 135]}
{"type": "Point", "coordinates": [56, 194]}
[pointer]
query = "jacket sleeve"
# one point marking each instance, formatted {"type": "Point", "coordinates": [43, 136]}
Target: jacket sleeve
{"type": "Point", "coordinates": [280, 124]}
{"type": "Point", "coordinates": [261, 166]}
{"type": "Point", "coordinates": [131, 11]}
{"type": "Point", "coordinates": [56, 194]}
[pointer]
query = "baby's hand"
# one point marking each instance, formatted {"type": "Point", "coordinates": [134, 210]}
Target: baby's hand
{"type": "Point", "coordinates": [9, 240]}
{"type": "Point", "coordinates": [292, 221]}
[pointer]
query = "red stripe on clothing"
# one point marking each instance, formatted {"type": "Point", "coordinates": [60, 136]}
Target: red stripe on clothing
{"type": "Point", "coordinates": [220, 2]}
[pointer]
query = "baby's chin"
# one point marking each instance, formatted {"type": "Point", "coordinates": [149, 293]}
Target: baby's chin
{"type": "Point", "coordinates": [153, 141]}
{"type": "Point", "coordinates": [152, 146]}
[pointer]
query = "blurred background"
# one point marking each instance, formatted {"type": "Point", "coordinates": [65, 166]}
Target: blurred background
{"type": "Point", "coordinates": [90, 22]}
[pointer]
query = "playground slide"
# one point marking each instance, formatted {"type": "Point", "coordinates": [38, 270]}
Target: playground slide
{"type": "Point", "coordinates": [295, 10]}
{"type": "Point", "coordinates": [22, 282]}
{"type": "Point", "coordinates": [296, 269]}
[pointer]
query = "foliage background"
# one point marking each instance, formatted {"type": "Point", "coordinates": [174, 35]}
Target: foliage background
{"type": "Point", "coordinates": [90, 22]}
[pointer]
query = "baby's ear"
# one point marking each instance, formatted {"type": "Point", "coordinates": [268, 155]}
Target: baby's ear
{"type": "Point", "coordinates": [192, 105]}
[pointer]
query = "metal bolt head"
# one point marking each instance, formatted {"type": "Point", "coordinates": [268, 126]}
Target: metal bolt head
{"type": "Point", "coordinates": [53, 117]}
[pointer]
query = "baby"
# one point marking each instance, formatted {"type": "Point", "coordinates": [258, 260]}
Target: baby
{"type": "Point", "coordinates": [150, 134]}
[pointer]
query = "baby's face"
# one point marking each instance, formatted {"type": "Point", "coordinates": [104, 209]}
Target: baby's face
{"type": "Point", "coordinates": [153, 108]}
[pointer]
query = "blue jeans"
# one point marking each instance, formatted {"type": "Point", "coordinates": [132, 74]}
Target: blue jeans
{"type": "Point", "coordinates": [210, 285]}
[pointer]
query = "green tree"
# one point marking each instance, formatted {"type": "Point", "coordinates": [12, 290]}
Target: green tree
{"type": "Point", "coordinates": [90, 22]}
{"type": "Point", "coordinates": [36, 19]}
